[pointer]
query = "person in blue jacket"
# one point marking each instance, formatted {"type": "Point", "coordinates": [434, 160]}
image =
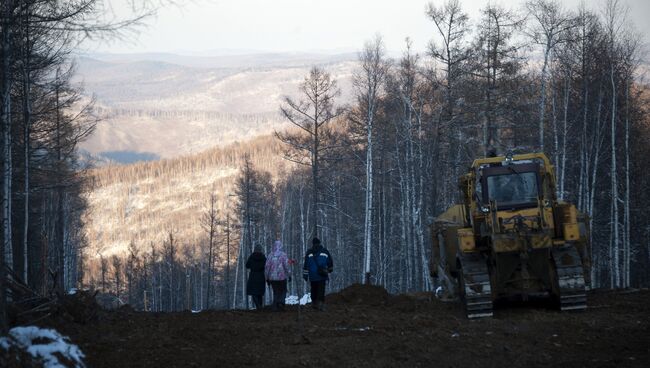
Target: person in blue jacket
{"type": "Point", "coordinates": [318, 266]}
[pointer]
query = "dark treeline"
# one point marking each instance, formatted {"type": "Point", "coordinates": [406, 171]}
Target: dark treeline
{"type": "Point", "coordinates": [42, 123]}
{"type": "Point", "coordinates": [369, 178]}
{"type": "Point", "coordinates": [43, 118]}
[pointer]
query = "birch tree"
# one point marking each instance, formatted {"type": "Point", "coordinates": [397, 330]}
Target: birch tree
{"type": "Point", "coordinates": [613, 24]}
{"type": "Point", "coordinates": [452, 53]}
{"type": "Point", "coordinates": [6, 254]}
{"type": "Point", "coordinates": [548, 28]}
{"type": "Point", "coordinates": [368, 84]}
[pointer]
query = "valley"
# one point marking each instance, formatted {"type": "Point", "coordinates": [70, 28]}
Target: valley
{"type": "Point", "coordinates": [155, 106]}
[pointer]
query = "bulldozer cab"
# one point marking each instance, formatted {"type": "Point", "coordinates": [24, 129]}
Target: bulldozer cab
{"type": "Point", "coordinates": [513, 182]}
{"type": "Point", "coordinates": [510, 186]}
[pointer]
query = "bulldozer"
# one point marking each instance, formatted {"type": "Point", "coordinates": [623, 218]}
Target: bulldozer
{"type": "Point", "coordinates": [510, 238]}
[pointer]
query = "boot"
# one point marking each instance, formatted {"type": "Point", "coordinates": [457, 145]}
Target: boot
{"type": "Point", "coordinates": [321, 306]}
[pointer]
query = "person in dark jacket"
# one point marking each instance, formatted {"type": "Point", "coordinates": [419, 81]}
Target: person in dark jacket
{"type": "Point", "coordinates": [255, 287]}
{"type": "Point", "coordinates": [318, 265]}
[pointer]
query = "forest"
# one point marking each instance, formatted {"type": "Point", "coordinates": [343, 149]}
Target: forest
{"type": "Point", "coordinates": [43, 118]}
{"type": "Point", "coordinates": [367, 177]}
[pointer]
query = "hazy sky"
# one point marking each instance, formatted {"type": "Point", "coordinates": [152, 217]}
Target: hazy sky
{"type": "Point", "coordinates": [305, 25]}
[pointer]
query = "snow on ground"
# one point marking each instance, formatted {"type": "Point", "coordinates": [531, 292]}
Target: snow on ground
{"type": "Point", "coordinates": [293, 299]}
{"type": "Point", "coordinates": [44, 345]}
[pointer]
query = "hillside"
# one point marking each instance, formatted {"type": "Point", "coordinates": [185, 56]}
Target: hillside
{"type": "Point", "coordinates": [142, 202]}
{"type": "Point", "coordinates": [164, 105]}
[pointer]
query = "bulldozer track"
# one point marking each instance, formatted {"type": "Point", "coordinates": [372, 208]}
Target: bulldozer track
{"type": "Point", "coordinates": [570, 278]}
{"type": "Point", "coordinates": [477, 292]}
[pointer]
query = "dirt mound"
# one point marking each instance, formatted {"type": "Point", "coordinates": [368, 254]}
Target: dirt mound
{"type": "Point", "coordinates": [360, 294]}
{"type": "Point", "coordinates": [79, 307]}
{"type": "Point", "coordinates": [372, 295]}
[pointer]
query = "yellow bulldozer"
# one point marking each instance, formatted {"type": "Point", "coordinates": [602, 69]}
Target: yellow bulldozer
{"type": "Point", "coordinates": [511, 238]}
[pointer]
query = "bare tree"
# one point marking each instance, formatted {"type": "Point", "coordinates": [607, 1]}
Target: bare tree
{"type": "Point", "coordinates": [6, 78]}
{"type": "Point", "coordinates": [311, 116]}
{"type": "Point", "coordinates": [550, 27]}
{"type": "Point", "coordinates": [452, 53]}
{"type": "Point", "coordinates": [496, 67]}
{"type": "Point", "coordinates": [452, 26]}
{"type": "Point", "coordinates": [209, 222]}
{"type": "Point", "coordinates": [117, 275]}
{"type": "Point", "coordinates": [104, 271]}
{"type": "Point", "coordinates": [368, 84]}
{"type": "Point", "coordinates": [170, 250]}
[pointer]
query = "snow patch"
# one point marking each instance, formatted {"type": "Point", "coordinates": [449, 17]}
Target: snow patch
{"type": "Point", "coordinates": [293, 299]}
{"type": "Point", "coordinates": [45, 345]}
{"type": "Point", "coordinates": [439, 292]}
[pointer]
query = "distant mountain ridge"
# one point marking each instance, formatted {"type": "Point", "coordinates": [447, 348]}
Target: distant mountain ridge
{"type": "Point", "coordinates": [230, 60]}
{"type": "Point", "coordinates": [165, 105]}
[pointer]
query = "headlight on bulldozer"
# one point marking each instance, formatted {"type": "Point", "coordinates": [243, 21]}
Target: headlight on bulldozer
{"type": "Point", "coordinates": [571, 232]}
{"type": "Point", "coordinates": [466, 240]}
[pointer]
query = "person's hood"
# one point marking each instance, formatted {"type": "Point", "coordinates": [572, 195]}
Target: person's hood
{"type": "Point", "coordinates": [277, 246]}
{"type": "Point", "coordinates": [257, 255]}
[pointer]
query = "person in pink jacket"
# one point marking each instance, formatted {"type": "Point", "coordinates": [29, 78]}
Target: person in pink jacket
{"type": "Point", "coordinates": [277, 273]}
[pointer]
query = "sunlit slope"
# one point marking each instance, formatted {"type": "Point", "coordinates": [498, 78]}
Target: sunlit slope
{"type": "Point", "coordinates": [142, 202]}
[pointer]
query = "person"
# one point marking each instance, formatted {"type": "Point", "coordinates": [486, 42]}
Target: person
{"type": "Point", "coordinates": [255, 286]}
{"type": "Point", "coordinates": [515, 189]}
{"type": "Point", "coordinates": [277, 273]}
{"type": "Point", "coordinates": [318, 265]}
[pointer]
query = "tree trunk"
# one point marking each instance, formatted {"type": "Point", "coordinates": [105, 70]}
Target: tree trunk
{"type": "Point", "coordinates": [228, 259]}
{"type": "Point", "coordinates": [5, 125]}
{"type": "Point", "coordinates": [542, 97]}
{"type": "Point", "coordinates": [594, 171]}
{"type": "Point", "coordinates": [368, 207]}
{"type": "Point", "coordinates": [564, 136]}
{"type": "Point", "coordinates": [27, 114]}
{"type": "Point", "coordinates": [314, 209]}
{"type": "Point", "coordinates": [626, 240]}
{"type": "Point", "coordinates": [60, 230]}
{"type": "Point", "coordinates": [615, 245]}
{"type": "Point", "coordinates": [556, 150]}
